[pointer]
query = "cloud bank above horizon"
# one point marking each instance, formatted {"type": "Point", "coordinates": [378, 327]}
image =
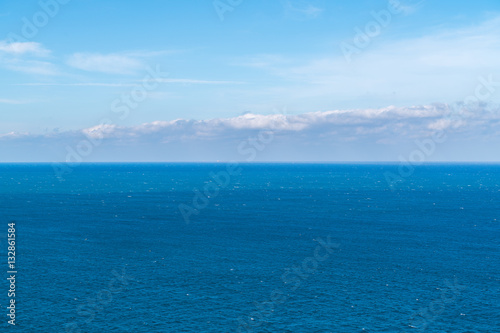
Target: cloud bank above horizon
{"type": "Point", "coordinates": [382, 134]}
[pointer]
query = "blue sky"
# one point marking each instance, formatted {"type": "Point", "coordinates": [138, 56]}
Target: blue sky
{"type": "Point", "coordinates": [64, 64]}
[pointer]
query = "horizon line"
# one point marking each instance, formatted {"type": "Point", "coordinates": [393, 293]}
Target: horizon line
{"type": "Point", "coordinates": [256, 162]}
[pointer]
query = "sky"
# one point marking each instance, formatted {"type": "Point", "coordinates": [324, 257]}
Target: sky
{"type": "Point", "coordinates": [261, 80]}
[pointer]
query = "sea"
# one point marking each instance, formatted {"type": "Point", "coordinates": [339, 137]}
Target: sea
{"type": "Point", "coordinates": [219, 247]}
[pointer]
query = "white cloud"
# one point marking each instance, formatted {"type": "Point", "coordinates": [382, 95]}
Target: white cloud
{"type": "Point", "coordinates": [408, 8]}
{"type": "Point", "coordinates": [194, 81]}
{"type": "Point", "coordinates": [106, 84]}
{"type": "Point", "coordinates": [361, 124]}
{"type": "Point", "coordinates": [11, 101]}
{"type": "Point", "coordinates": [23, 57]}
{"type": "Point", "coordinates": [105, 63]}
{"type": "Point", "coordinates": [265, 61]}
{"type": "Point", "coordinates": [21, 48]}
{"type": "Point", "coordinates": [31, 66]}
{"type": "Point", "coordinates": [358, 134]}
{"type": "Point", "coordinates": [100, 131]}
{"type": "Point", "coordinates": [301, 10]}
{"type": "Point", "coordinates": [150, 54]}
{"type": "Point", "coordinates": [81, 84]}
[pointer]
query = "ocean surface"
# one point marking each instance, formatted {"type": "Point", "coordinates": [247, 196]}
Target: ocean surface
{"type": "Point", "coordinates": [259, 248]}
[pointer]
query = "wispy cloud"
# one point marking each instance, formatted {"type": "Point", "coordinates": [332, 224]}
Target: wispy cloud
{"type": "Point", "coordinates": [127, 62]}
{"type": "Point", "coordinates": [265, 61]}
{"type": "Point", "coordinates": [87, 84]}
{"type": "Point", "coordinates": [26, 57]}
{"type": "Point", "coordinates": [105, 63]}
{"type": "Point", "coordinates": [11, 101]}
{"type": "Point", "coordinates": [129, 84]}
{"type": "Point", "coordinates": [194, 81]}
{"type": "Point", "coordinates": [150, 54]}
{"type": "Point", "coordinates": [20, 48]}
{"type": "Point", "coordinates": [31, 66]}
{"type": "Point", "coordinates": [408, 8]}
{"type": "Point", "coordinates": [440, 66]}
{"type": "Point", "coordinates": [301, 10]}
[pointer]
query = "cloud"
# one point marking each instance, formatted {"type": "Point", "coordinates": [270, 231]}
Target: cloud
{"type": "Point", "coordinates": [265, 61]}
{"type": "Point", "coordinates": [106, 84]}
{"type": "Point", "coordinates": [150, 54]}
{"type": "Point", "coordinates": [11, 101]}
{"type": "Point", "coordinates": [81, 84]}
{"type": "Point", "coordinates": [105, 63]}
{"type": "Point", "coordinates": [31, 67]}
{"type": "Point", "coordinates": [410, 8]}
{"type": "Point", "coordinates": [440, 66]}
{"type": "Point", "coordinates": [194, 81]}
{"type": "Point", "coordinates": [301, 10]}
{"type": "Point", "coordinates": [24, 57]}
{"type": "Point", "coordinates": [21, 48]}
{"type": "Point", "coordinates": [356, 134]}
{"type": "Point", "coordinates": [371, 124]}
{"type": "Point", "coordinates": [128, 62]}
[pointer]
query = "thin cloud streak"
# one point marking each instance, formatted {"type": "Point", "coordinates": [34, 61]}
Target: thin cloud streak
{"type": "Point", "coordinates": [301, 10]}
{"type": "Point", "coordinates": [91, 84]}
{"type": "Point", "coordinates": [12, 101]}
{"type": "Point", "coordinates": [194, 81]}
{"type": "Point", "coordinates": [105, 63]}
{"type": "Point", "coordinates": [104, 84]}
{"type": "Point", "coordinates": [114, 63]}
{"type": "Point", "coordinates": [34, 67]}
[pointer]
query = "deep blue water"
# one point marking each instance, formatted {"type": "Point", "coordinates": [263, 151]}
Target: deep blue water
{"type": "Point", "coordinates": [106, 249]}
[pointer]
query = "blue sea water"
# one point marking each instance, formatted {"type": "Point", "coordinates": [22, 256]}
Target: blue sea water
{"type": "Point", "coordinates": [276, 248]}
